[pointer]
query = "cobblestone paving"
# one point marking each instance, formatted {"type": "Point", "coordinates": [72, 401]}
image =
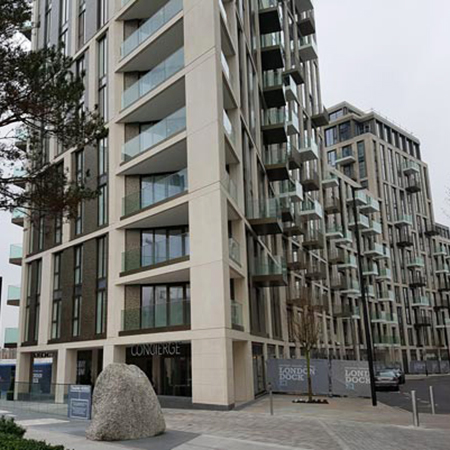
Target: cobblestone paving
{"type": "Point", "coordinates": [308, 433]}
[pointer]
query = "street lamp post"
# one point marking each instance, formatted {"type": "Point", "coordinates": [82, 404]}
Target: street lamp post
{"type": "Point", "coordinates": [364, 302]}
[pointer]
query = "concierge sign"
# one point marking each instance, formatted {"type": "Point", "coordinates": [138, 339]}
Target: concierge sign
{"type": "Point", "coordinates": [350, 378]}
{"type": "Point", "coordinates": [80, 402]}
{"type": "Point", "coordinates": [160, 349]}
{"type": "Point", "coordinates": [291, 375]}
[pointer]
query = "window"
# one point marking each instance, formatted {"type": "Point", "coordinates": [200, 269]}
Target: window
{"type": "Point", "coordinates": [28, 303]}
{"type": "Point", "coordinates": [79, 179]}
{"type": "Point", "coordinates": [362, 160]}
{"type": "Point", "coordinates": [103, 181]}
{"type": "Point", "coordinates": [58, 229]}
{"type": "Point", "coordinates": [81, 22]}
{"type": "Point", "coordinates": [64, 27]}
{"type": "Point", "coordinates": [37, 308]}
{"type": "Point", "coordinates": [56, 307]}
{"type": "Point", "coordinates": [78, 266]}
{"type": "Point", "coordinates": [103, 77]}
{"type": "Point", "coordinates": [41, 233]}
{"type": "Point", "coordinates": [76, 315]}
{"type": "Point", "coordinates": [332, 156]}
{"type": "Point", "coordinates": [47, 22]}
{"type": "Point", "coordinates": [102, 12]}
{"type": "Point", "coordinates": [344, 131]}
{"type": "Point", "coordinates": [81, 74]}
{"type": "Point", "coordinates": [331, 136]}
{"type": "Point", "coordinates": [57, 272]}
{"type": "Point", "coordinates": [102, 270]}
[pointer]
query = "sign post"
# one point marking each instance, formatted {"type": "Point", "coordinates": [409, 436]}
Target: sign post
{"type": "Point", "coordinates": [80, 402]}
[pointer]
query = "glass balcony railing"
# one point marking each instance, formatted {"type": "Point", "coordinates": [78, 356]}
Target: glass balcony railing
{"type": "Point", "coordinates": [236, 314]}
{"type": "Point", "coordinates": [272, 39]}
{"type": "Point", "coordinates": [420, 301]}
{"type": "Point", "coordinates": [265, 4]}
{"type": "Point", "coordinates": [234, 250]}
{"type": "Point", "coordinates": [163, 315]}
{"type": "Point", "coordinates": [155, 134]}
{"type": "Point", "coordinates": [151, 80]}
{"type": "Point", "coordinates": [163, 189]}
{"type": "Point", "coordinates": [272, 78]}
{"type": "Point", "coordinates": [386, 340]}
{"type": "Point", "coordinates": [15, 251]}
{"type": "Point", "coordinates": [228, 126]}
{"type": "Point", "coordinates": [151, 26]}
{"type": "Point", "coordinates": [268, 266]}
{"type": "Point", "coordinates": [274, 116]}
{"type": "Point", "coordinates": [18, 213]}
{"type": "Point", "coordinates": [14, 293]}
{"type": "Point", "coordinates": [384, 316]}
{"type": "Point", "coordinates": [163, 251]}
{"type": "Point", "coordinates": [11, 336]}
{"type": "Point", "coordinates": [265, 209]}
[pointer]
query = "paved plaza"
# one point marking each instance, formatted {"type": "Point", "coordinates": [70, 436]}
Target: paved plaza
{"type": "Point", "coordinates": [344, 424]}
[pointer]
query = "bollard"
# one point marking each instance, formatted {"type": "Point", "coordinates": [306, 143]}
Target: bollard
{"type": "Point", "coordinates": [271, 399]}
{"type": "Point", "coordinates": [414, 409]}
{"type": "Point", "coordinates": [433, 408]}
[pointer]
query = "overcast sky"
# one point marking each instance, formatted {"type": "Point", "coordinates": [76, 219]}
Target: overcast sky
{"type": "Point", "coordinates": [393, 56]}
{"type": "Point", "coordinates": [390, 55]}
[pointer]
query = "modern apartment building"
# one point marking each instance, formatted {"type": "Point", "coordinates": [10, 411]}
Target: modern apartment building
{"type": "Point", "coordinates": [405, 252]}
{"type": "Point", "coordinates": [210, 183]}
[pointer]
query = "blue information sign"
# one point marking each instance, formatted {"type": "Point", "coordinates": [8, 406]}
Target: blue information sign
{"type": "Point", "coordinates": [80, 402]}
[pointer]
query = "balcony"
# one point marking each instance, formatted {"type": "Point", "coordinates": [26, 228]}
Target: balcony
{"type": "Point", "coordinates": [310, 179]}
{"type": "Point", "coordinates": [404, 220]}
{"type": "Point", "coordinates": [444, 324]}
{"type": "Point", "coordinates": [370, 291]}
{"type": "Point", "coordinates": [308, 49]}
{"type": "Point", "coordinates": [384, 317]}
{"type": "Point", "coordinates": [19, 175]}
{"type": "Point", "coordinates": [270, 16]}
{"type": "Point", "coordinates": [162, 253]}
{"type": "Point", "coordinates": [304, 5]}
{"type": "Point", "coordinates": [316, 270]}
{"type": "Point", "coordinates": [237, 316]}
{"type": "Point", "coordinates": [384, 275]}
{"type": "Point", "coordinates": [411, 168]}
{"type": "Point", "coordinates": [334, 232]}
{"type": "Point", "coordinates": [417, 279]}
{"type": "Point", "coordinates": [439, 250]}
{"type": "Point", "coordinates": [21, 138]}
{"type": "Point", "coordinates": [274, 89]}
{"type": "Point", "coordinates": [320, 117]}
{"type": "Point", "coordinates": [386, 295]}
{"type": "Point", "coordinates": [270, 272]}
{"type": "Point", "coordinates": [378, 251]}
{"type": "Point", "coordinates": [431, 230]}
{"type": "Point", "coordinates": [413, 185]}
{"type": "Point", "coordinates": [13, 298]}
{"type": "Point", "coordinates": [228, 128]}
{"type": "Point", "coordinates": [307, 25]}
{"type": "Point", "coordinates": [360, 198]}
{"type": "Point", "coordinates": [386, 341]}
{"type": "Point", "coordinates": [15, 254]}
{"type": "Point", "coordinates": [363, 223]}
{"type": "Point", "coordinates": [276, 163]}
{"type": "Point", "coordinates": [274, 126]}
{"type": "Point", "coordinates": [164, 189]}
{"type": "Point", "coordinates": [265, 217]}
{"type": "Point", "coordinates": [332, 204]}
{"type": "Point", "coordinates": [336, 256]}
{"type": "Point", "coordinates": [422, 321]}
{"type": "Point", "coordinates": [405, 238]}
{"type": "Point", "coordinates": [420, 301]}
{"type": "Point", "coordinates": [291, 189]}
{"type": "Point", "coordinates": [272, 51]}
{"type": "Point", "coordinates": [441, 269]}
{"type": "Point", "coordinates": [443, 285]}
{"type": "Point", "coordinates": [155, 135]}
{"type": "Point", "coordinates": [337, 282]}
{"type": "Point", "coordinates": [415, 262]}
{"type": "Point", "coordinates": [18, 217]}
{"type": "Point", "coordinates": [313, 239]}
{"type": "Point", "coordinates": [351, 288]}
{"type": "Point", "coordinates": [234, 249]}
{"type": "Point", "coordinates": [295, 71]}
{"type": "Point", "coordinates": [175, 315]}
{"type": "Point", "coordinates": [151, 26]}
{"type": "Point", "coordinates": [330, 181]}
{"type": "Point", "coordinates": [346, 156]}
{"type": "Point", "coordinates": [371, 206]}
{"type": "Point", "coordinates": [350, 262]}
{"type": "Point", "coordinates": [11, 337]}
{"type": "Point", "coordinates": [374, 228]}
{"type": "Point", "coordinates": [309, 151]}
{"type": "Point", "coordinates": [294, 227]}
{"type": "Point", "coordinates": [370, 270]}
{"type": "Point", "coordinates": [347, 239]}
{"type": "Point", "coordinates": [154, 78]}
{"type": "Point", "coordinates": [346, 312]}
{"type": "Point", "coordinates": [311, 210]}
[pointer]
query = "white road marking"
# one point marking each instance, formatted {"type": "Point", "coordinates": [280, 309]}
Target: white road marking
{"type": "Point", "coordinates": [37, 422]}
{"type": "Point", "coordinates": [4, 412]}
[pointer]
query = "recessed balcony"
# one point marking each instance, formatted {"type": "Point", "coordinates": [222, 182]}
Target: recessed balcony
{"type": "Point", "coordinates": [173, 315]}
{"type": "Point", "coordinates": [15, 254]}
{"type": "Point", "coordinates": [420, 301]}
{"type": "Point", "coordinates": [265, 217]}
{"type": "Point", "coordinates": [13, 298]}
{"type": "Point", "coordinates": [151, 26]}
{"type": "Point", "coordinates": [443, 284]}
{"type": "Point", "coordinates": [274, 89]}
{"type": "Point", "coordinates": [155, 134]}
{"type": "Point", "coordinates": [167, 251]}
{"type": "Point", "coordinates": [311, 210]}
{"type": "Point", "coordinates": [164, 189]}
{"type": "Point", "coordinates": [274, 126]}
{"type": "Point", "coordinates": [308, 49]}
{"type": "Point", "coordinates": [270, 272]}
{"type": "Point", "coordinates": [276, 163]}
{"type": "Point", "coordinates": [270, 16]}
{"type": "Point", "coordinates": [272, 51]}
{"type": "Point", "coordinates": [384, 317]}
{"type": "Point", "coordinates": [154, 78]}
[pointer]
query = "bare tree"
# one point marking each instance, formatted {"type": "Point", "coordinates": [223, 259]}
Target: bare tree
{"type": "Point", "coordinates": [307, 330]}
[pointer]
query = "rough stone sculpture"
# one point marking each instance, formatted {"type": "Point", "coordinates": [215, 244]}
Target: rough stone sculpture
{"type": "Point", "coordinates": [124, 406]}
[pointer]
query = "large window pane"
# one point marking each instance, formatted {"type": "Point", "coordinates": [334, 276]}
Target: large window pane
{"type": "Point", "coordinates": [160, 306]}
